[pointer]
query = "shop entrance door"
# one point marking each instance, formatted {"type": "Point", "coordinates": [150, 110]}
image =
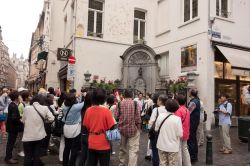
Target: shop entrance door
{"type": "Point", "coordinates": [229, 89]}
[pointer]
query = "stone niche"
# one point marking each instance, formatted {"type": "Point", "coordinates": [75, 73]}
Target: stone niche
{"type": "Point", "coordinates": [140, 69]}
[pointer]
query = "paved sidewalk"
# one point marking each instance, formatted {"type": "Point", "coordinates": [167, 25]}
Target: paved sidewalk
{"type": "Point", "coordinates": [240, 156]}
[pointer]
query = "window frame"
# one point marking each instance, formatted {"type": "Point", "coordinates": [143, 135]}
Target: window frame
{"type": "Point", "coordinates": [222, 14]}
{"type": "Point", "coordinates": [188, 68]}
{"type": "Point", "coordinates": [139, 20]}
{"type": "Point", "coordinates": [160, 62]}
{"type": "Point", "coordinates": [96, 11]}
{"type": "Point", "coordinates": [190, 11]}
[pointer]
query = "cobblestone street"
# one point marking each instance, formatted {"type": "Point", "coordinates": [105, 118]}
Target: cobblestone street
{"type": "Point", "coordinates": [240, 156]}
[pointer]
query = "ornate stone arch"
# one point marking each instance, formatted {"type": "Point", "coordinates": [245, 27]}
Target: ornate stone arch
{"type": "Point", "coordinates": [138, 54]}
{"type": "Point", "coordinates": [139, 63]}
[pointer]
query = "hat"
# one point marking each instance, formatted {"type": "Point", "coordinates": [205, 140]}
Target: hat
{"type": "Point", "coordinates": [42, 91]}
{"type": "Point", "coordinates": [21, 89]}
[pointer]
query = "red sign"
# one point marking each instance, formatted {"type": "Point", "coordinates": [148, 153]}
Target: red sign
{"type": "Point", "coordinates": [72, 59]}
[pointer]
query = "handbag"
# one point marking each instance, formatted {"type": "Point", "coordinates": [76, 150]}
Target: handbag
{"type": "Point", "coordinates": [58, 125]}
{"type": "Point", "coordinates": [2, 116]}
{"type": "Point", "coordinates": [113, 135]}
{"type": "Point", "coordinates": [152, 132]}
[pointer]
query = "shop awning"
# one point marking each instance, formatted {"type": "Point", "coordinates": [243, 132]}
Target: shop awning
{"type": "Point", "coordinates": [239, 59]}
{"type": "Point", "coordinates": [42, 55]}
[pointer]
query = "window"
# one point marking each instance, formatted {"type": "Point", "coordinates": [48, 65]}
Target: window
{"type": "Point", "coordinates": [139, 26]}
{"type": "Point", "coordinates": [189, 58]}
{"type": "Point", "coordinates": [223, 70]}
{"type": "Point", "coordinates": [190, 9]}
{"type": "Point", "coordinates": [95, 18]}
{"type": "Point", "coordinates": [164, 65]}
{"type": "Point", "coordinates": [222, 8]}
{"type": "Point", "coordinates": [163, 16]}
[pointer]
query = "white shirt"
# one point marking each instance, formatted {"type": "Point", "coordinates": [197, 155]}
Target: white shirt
{"type": "Point", "coordinates": [170, 133]}
{"type": "Point", "coordinates": [148, 103]}
{"type": "Point", "coordinates": [153, 117]}
{"type": "Point", "coordinates": [33, 123]}
{"type": "Point", "coordinates": [140, 102]}
{"type": "Point", "coordinates": [72, 131]}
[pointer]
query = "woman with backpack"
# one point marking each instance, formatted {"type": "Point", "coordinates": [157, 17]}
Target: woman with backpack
{"type": "Point", "coordinates": [72, 129]}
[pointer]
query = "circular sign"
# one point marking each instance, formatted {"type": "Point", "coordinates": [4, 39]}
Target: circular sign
{"type": "Point", "coordinates": [64, 53]}
{"type": "Point", "coordinates": [72, 59]}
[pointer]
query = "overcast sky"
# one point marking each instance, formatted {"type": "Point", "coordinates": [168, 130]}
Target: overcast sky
{"type": "Point", "coordinates": [18, 19]}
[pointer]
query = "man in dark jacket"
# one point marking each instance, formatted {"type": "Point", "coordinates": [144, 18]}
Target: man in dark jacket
{"type": "Point", "coordinates": [194, 108]}
{"type": "Point", "coordinates": [13, 126]}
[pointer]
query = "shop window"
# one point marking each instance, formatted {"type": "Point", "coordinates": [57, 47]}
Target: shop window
{"type": "Point", "coordinates": [189, 58]}
{"type": "Point", "coordinates": [245, 78]}
{"type": "Point", "coordinates": [224, 71]}
{"type": "Point", "coordinates": [228, 72]}
{"type": "Point", "coordinates": [218, 70]}
{"type": "Point", "coordinates": [139, 26]}
{"type": "Point", "coordinates": [190, 9]}
{"type": "Point", "coordinates": [95, 18]}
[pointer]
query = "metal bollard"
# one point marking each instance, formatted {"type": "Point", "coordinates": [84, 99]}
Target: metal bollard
{"type": "Point", "coordinates": [249, 140]}
{"type": "Point", "coordinates": [209, 150]}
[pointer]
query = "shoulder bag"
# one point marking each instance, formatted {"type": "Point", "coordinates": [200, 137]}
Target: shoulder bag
{"type": "Point", "coordinates": [115, 135]}
{"type": "Point", "coordinates": [58, 124]}
{"type": "Point", "coordinates": [152, 132]}
{"type": "Point", "coordinates": [158, 132]}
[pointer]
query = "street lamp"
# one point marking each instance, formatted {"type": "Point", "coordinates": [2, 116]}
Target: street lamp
{"type": "Point", "coordinates": [87, 76]}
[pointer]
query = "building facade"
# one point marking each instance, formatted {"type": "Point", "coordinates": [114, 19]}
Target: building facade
{"type": "Point", "coordinates": [4, 61]}
{"type": "Point", "coordinates": [7, 72]}
{"type": "Point", "coordinates": [12, 76]}
{"type": "Point", "coordinates": [45, 41]}
{"type": "Point", "coordinates": [146, 42]}
{"type": "Point", "coordinates": [22, 68]}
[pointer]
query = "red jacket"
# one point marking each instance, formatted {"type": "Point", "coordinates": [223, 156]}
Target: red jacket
{"type": "Point", "coordinates": [184, 114]}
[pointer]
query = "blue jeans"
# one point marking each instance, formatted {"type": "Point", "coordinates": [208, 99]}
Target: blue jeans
{"type": "Point", "coordinates": [155, 155]}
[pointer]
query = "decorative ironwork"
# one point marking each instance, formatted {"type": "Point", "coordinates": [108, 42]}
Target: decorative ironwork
{"type": "Point", "coordinates": [139, 58]}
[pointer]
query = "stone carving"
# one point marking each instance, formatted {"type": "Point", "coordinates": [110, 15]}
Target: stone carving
{"type": "Point", "coordinates": [139, 58]}
{"type": "Point", "coordinates": [140, 85]}
{"type": "Point", "coordinates": [140, 72]}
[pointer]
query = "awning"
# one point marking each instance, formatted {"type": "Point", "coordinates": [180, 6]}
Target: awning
{"type": "Point", "coordinates": [239, 59]}
{"type": "Point", "coordinates": [42, 55]}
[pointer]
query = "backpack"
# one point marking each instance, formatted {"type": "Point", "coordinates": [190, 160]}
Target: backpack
{"type": "Point", "coordinates": [225, 106]}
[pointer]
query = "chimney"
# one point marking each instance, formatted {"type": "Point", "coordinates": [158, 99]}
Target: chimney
{"type": "Point", "coordinates": [1, 37]}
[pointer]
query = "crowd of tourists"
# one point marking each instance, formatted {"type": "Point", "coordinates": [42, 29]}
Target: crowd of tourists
{"type": "Point", "coordinates": [90, 121]}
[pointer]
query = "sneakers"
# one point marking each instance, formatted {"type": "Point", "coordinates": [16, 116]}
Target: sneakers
{"type": "Point", "coordinates": [21, 154]}
{"type": "Point", "coordinates": [11, 161]}
{"type": "Point", "coordinates": [113, 153]}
